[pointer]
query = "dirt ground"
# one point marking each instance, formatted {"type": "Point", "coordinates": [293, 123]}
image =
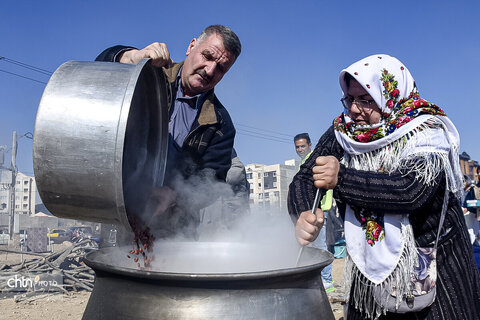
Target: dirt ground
{"type": "Point", "coordinates": [337, 297]}
{"type": "Point", "coordinates": [72, 306]}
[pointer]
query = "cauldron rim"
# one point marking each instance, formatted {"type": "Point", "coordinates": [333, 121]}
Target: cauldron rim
{"type": "Point", "coordinates": [96, 265]}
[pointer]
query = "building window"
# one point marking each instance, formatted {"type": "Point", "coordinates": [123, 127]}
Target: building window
{"type": "Point", "coordinates": [25, 206]}
{"type": "Point", "coordinates": [274, 184]}
{"type": "Point", "coordinates": [265, 174]}
{"type": "Point", "coordinates": [259, 185]}
{"type": "Point", "coordinates": [276, 193]}
{"type": "Point", "coordinates": [25, 182]}
{"type": "Point", "coordinates": [274, 173]}
{"type": "Point", "coordinates": [251, 190]}
{"type": "Point", "coordinates": [18, 182]}
{"type": "Point", "coordinates": [249, 175]}
{"type": "Point", "coordinates": [259, 175]}
{"type": "Point", "coordinates": [25, 198]}
{"type": "Point", "coordinates": [267, 195]}
{"type": "Point", "coordinates": [260, 196]}
{"type": "Point", "coordinates": [17, 206]}
{"type": "Point", "coordinates": [25, 190]}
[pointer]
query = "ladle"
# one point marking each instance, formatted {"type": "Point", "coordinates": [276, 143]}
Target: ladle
{"type": "Point", "coordinates": [315, 206]}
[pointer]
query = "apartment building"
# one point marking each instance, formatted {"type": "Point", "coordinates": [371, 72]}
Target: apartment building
{"type": "Point", "coordinates": [25, 191]}
{"type": "Point", "coordinates": [470, 167]}
{"type": "Point", "coordinates": [269, 183]}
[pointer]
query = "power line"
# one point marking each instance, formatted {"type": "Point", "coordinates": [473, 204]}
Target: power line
{"type": "Point", "coordinates": [18, 75]}
{"type": "Point", "coordinates": [261, 137]}
{"type": "Point", "coordinates": [265, 135]}
{"type": "Point", "coordinates": [27, 66]}
{"type": "Point", "coordinates": [271, 131]}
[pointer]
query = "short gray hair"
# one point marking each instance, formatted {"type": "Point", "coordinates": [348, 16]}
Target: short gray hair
{"type": "Point", "coordinates": [230, 39]}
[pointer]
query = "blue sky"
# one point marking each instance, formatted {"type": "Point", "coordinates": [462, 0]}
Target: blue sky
{"type": "Point", "coordinates": [286, 79]}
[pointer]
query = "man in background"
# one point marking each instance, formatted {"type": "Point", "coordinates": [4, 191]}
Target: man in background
{"type": "Point", "coordinates": [303, 147]}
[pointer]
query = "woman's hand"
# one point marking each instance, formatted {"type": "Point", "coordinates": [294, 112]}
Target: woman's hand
{"type": "Point", "coordinates": [308, 226]}
{"type": "Point", "coordinates": [325, 172]}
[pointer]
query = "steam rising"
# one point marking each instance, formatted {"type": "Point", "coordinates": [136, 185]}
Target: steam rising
{"type": "Point", "coordinates": [230, 238]}
{"type": "Point", "coordinates": [256, 242]}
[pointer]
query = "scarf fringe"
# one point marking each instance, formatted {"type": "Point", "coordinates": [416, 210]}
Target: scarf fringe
{"type": "Point", "coordinates": [397, 283]}
{"type": "Point", "coordinates": [415, 153]}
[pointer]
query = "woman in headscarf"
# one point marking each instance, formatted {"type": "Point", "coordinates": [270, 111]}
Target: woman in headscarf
{"type": "Point", "coordinates": [394, 158]}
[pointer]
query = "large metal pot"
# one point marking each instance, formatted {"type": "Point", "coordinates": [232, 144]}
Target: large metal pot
{"type": "Point", "coordinates": [286, 293]}
{"type": "Point", "coordinates": [100, 128]}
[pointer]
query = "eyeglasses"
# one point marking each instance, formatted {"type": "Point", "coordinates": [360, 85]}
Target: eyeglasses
{"type": "Point", "coordinates": [362, 103]}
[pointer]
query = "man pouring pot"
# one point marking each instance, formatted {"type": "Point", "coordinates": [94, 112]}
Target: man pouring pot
{"type": "Point", "coordinates": [201, 132]}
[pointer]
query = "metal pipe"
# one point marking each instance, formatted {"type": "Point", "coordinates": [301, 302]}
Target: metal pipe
{"type": "Point", "coordinates": [11, 221]}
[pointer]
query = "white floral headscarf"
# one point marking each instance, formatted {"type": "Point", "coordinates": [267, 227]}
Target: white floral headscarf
{"type": "Point", "coordinates": [367, 72]}
{"type": "Point", "coordinates": [393, 88]}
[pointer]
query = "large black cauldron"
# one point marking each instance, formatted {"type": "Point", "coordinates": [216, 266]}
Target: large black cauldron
{"type": "Point", "coordinates": [288, 293]}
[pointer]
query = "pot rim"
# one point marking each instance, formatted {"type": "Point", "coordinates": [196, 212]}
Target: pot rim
{"type": "Point", "coordinates": [182, 276]}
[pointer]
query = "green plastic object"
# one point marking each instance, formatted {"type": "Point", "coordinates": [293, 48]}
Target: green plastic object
{"type": "Point", "coordinates": [327, 200]}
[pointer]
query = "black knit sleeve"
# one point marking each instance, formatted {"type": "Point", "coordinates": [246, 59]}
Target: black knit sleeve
{"type": "Point", "coordinates": [384, 193]}
{"type": "Point", "coordinates": [396, 193]}
{"type": "Point", "coordinates": [301, 191]}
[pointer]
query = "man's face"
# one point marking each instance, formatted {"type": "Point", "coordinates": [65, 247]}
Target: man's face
{"type": "Point", "coordinates": [302, 147]}
{"type": "Point", "coordinates": [206, 63]}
